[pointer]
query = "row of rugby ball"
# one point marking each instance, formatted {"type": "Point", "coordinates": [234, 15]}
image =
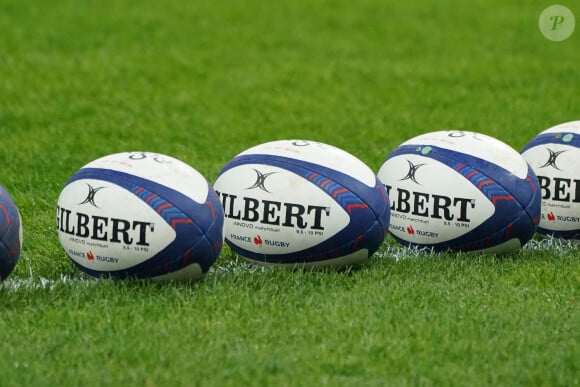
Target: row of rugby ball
{"type": "Point", "coordinates": [290, 202]}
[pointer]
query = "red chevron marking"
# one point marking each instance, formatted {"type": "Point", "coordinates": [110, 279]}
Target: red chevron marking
{"type": "Point", "coordinates": [175, 222]}
{"type": "Point", "coordinates": [350, 207]}
{"type": "Point", "coordinates": [484, 183]}
{"type": "Point", "coordinates": [163, 206]}
{"type": "Point", "coordinates": [338, 192]}
{"type": "Point", "coordinates": [496, 199]}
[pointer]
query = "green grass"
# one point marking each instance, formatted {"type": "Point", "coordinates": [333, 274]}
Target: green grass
{"type": "Point", "coordinates": [202, 81]}
{"type": "Point", "coordinates": [425, 320]}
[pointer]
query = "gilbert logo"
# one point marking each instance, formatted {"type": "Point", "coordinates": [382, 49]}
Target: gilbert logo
{"type": "Point", "coordinates": [552, 158]}
{"type": "Point", "coordinates": [412, 172]}
{"type": "Point", "coordinates": [261, 180]}
{"type": "Point", "coordinates": [90, 199]}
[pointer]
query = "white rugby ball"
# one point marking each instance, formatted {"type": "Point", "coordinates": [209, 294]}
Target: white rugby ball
{"type": "Point", "coordinates": [460, 190]}
{"type": "Point", "coordinates": [297, 202]}
{"type": "Point", "coordinates": [554, 155]}
{"type": "Point", "coordinates": [141, 215]}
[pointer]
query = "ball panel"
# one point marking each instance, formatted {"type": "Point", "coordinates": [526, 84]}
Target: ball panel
{"type": "Point", "coordinates": [520, 230]}
{"type": "Point", "coordinates": [477, 145]}
{"type": "Point", "coordinates": [353, 259]}
{"type": "Point", "coordinates": [165, 170]}
{"type": "Point", "coordinates": [559, 140]}
{"type": "Point", "coordinates": [258, 214]}
{"type": "Point", "coordinates": [173, 259]}
{"type": "Point", "coordinates": [328, 251]}
{"type": "Point", "coordinates": [506, 247]}
{"type": "Point", "coordinates": [569, 234]}
{"type": "Point", "coordinates": [374, 194]}
{"type": "Point", "coordinates": [423, 208]}
{"type": "Point", "coordinates": [566, 127]}
{"type": "Point", "coordinates": [189, 272]}
{"type": "Point", "coordinates": [102, 233]}
{"type": "Point", "coordinates": [174, 206]}
{"type": "Point", "coordinates": [316, 153]}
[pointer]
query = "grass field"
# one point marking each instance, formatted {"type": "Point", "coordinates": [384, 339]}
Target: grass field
{"type": "Point", "coordinates": [204, 80]}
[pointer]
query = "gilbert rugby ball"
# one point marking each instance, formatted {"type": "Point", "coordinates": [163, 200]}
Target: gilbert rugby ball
{"type": "Point", "coordinates": [554, 155]}
{"type": "Point", "coordinates": [462, 191]}
{"type": "Point", "coordinates": [296, 202]}
{"type": "Point", "coordinates": [10, 234]}
{"type": "Point", "coordinates": [140, 215]}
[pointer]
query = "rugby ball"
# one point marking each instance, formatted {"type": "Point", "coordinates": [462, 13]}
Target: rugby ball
{"type": "Point", "coordinates": [10, 234]}
{"type": "Point", "coordinates": [140, 215]}
{"type": "Point", "coordinates": [554, 155]}
{"type": "Point", "coordinates": [302, 203]}
{"type": "Point", "coordinates": [461, 191]}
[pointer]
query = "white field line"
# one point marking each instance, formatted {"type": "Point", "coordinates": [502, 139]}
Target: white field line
{"type": "Point", "coordinates": [546, 243]}
{"type": "Point", "coordinates": [550, 243]}
{"type": "Point", "coordinates": [397, 253]}
{"type": "Point", "coordinates": [37, 282]}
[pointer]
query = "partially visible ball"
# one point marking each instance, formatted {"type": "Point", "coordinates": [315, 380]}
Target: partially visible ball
{"type": "Point", "coordinates": [10, 234]}
{"type": "Point", "coordinates": [554, 155]}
